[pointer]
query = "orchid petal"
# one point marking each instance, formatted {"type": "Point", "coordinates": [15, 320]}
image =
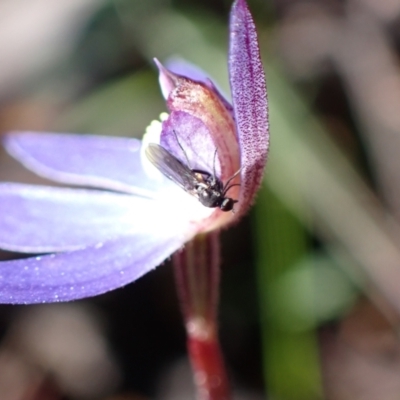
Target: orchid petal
{"type": "Point", "coordinates": [249, 97]}
{"type": "Point", "coordinates": [183, 67]}
{"type": "Point", "coordinates": [39, 219]}
{"type": "Point", "coordinates": [194, 138]}
{"type": "Point", "coordinates": [204, 103]}
{"type": "Point", "coordinates": [87, 160]}
{"type": "Point", "coordinates": [169, 79]}
{"type": "Point", "coordinates": [87, 272]}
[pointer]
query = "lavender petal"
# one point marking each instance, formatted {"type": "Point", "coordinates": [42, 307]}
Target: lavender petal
{"type": "Point", "coordinates": [86, 160]}
{"type": "Point", "coordinates": [84, 273]}
{"type": "Point", "coordinates": [249, 96]}
{"type": "Point", "coordinates": [39, 219]}
{"type": "Point", "coordinates": [194, 138]}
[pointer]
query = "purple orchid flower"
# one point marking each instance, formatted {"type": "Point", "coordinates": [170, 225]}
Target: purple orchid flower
{"type": "Point", "coordinates": [95, 240]}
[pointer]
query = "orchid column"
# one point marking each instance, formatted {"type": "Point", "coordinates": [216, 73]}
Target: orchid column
{"type": "Point", "coordinates": [92, 241]}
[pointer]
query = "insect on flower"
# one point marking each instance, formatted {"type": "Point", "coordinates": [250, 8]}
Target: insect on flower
{"type": "Point", "coordinates": [206, 187]}
{"type": "Point", "coordinates": [96, 239]}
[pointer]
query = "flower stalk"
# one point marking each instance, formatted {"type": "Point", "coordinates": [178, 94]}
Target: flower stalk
{"type": "Point", "coordinates": [197, 274]}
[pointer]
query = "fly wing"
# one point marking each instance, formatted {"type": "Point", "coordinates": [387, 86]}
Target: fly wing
{"type": "Point", "coordinates": [171, 167]}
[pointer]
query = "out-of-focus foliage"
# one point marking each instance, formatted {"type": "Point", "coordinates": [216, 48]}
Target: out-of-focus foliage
{"type": "Point", "coordinates": [322, 245]}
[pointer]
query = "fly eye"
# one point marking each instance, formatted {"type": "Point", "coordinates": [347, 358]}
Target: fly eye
{"type": "Point", "coordinates": [227, 204]}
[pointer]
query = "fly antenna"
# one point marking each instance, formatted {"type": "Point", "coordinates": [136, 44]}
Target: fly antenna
{"type": "Point", "coordinates": [230, 186]}
{"type": "Point", "coordinates": [227, 184]}
{"type": "Point", "coordinates": [214, 159]}
{"type": "Point", "coordinates": [233, 177]}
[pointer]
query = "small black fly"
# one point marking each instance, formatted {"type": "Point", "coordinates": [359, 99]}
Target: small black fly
{"type": "Point", "coordinates": [206, 187]}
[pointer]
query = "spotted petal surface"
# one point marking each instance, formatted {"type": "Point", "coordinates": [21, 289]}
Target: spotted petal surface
{"type": "Point", "coordinates": [249, 98]}
{"type": "Point", "coordinates": [83, 273]}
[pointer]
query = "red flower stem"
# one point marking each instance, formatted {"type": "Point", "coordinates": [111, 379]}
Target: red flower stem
{"type": "Point", "coordinates": [197, 276]}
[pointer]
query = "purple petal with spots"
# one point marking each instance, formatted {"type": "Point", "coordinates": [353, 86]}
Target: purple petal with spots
{"type": "Point", "coordinates": [87, 160]}
{"type": "Point", "coordinates": [249, 97]}
{"type": "Point", "coordinates": [39, 219]}
{"type": "Point", "coordinates": [84, 273]}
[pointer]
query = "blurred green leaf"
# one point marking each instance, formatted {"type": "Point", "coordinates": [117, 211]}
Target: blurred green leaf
{"type": "Point", "coordinates": [123, 107]}
{"type": "Point", "coordinates": [281, 244]}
